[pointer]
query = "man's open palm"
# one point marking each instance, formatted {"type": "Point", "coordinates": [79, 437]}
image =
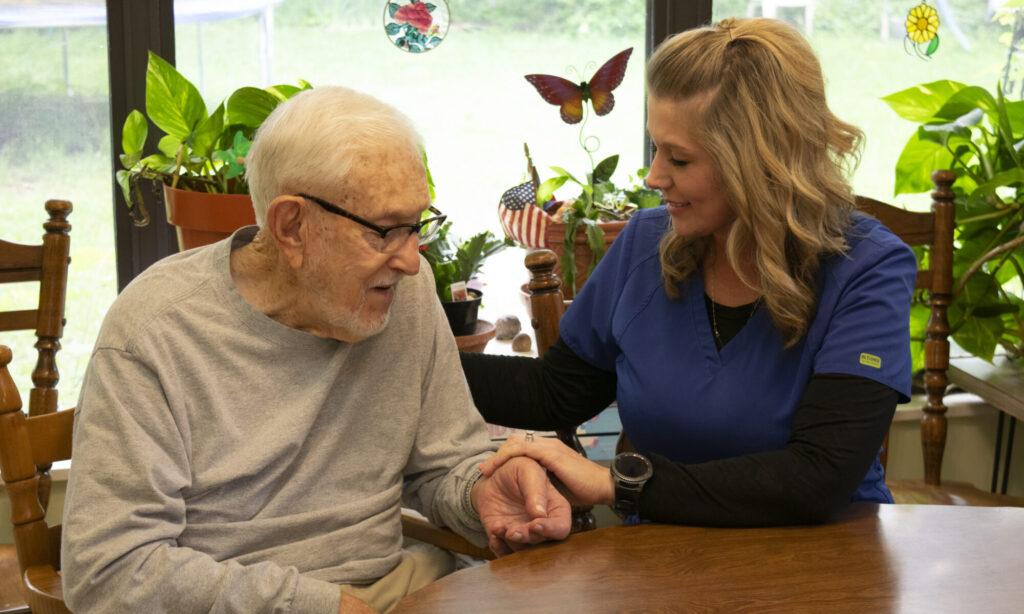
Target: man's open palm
{"type": "Point", "coordinates": [519, 506]}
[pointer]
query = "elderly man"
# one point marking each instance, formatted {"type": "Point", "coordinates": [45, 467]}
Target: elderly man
{"type": "Point", "coordinates": [255, 412]}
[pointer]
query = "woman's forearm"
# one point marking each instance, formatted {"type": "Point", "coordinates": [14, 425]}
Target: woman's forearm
{"type": "Point", "coordinates": [557, 392]}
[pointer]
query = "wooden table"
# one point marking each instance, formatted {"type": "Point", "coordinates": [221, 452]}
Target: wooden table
{"type": "Point", "coordinates": [1001, 385]}
{"type": "Point", "coordinates": [877, 558]}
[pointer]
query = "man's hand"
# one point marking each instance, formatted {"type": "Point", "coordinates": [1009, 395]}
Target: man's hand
{"type": "Point", "coordinates": [587, 482]}
{"type": "Point", "coordinates": [519, 506]}
{"type": "Point", "coordinates": [354, 605]}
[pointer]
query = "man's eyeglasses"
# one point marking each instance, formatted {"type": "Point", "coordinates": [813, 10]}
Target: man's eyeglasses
{"type": "Point", "coordinates": [391, 237]}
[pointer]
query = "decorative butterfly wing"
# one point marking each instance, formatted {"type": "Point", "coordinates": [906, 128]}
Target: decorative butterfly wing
{"type": "Point", "coordinates": [607, 78]}
{"type": "Point", "coordinates": [562, 92]}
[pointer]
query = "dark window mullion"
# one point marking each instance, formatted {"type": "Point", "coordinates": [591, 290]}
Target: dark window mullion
{"type": "Point", "coordinates": [133, 28]}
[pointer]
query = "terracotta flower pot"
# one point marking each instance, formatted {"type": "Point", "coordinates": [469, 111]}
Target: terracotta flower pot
{"type": "Point", "coordinates": [477, 341]}
{"type": "Point", "coordinates": [202, 218]}
{"type": "Point", "coordinates": [554, 236]}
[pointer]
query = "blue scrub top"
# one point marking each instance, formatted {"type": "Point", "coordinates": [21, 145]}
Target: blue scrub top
{"type": "Point", "coordinates": [680, 397]}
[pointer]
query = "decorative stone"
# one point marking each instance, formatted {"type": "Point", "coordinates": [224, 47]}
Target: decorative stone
{"type": "Point", "coordinates": [522, 343]}
{"type": "Point", "coordinates": [507, 327]}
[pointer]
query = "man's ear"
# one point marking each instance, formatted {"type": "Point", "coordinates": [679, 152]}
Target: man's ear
{"type": "Point", "coordinates": [286, 217]}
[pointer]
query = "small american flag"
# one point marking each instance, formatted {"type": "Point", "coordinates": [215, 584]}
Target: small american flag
{"type": "Point", "coordinates": [521, 219]}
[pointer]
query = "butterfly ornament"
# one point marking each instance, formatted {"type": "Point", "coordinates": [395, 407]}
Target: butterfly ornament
{"type": "Point", "coordinates": [571, 97]}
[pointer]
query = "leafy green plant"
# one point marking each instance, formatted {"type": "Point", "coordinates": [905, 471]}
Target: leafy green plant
{"type": "Point", "coordinates": [200, 151]}
{"type": "Point", "coordinates": [452, 260]}
{"type": "Point", "coordinates": [979, 135]}
{"type": "Point", "coordinates": [599, 201]}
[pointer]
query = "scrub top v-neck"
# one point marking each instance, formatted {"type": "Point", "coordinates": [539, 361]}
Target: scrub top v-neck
{"type": "Point", "coordinates": [683, 398]}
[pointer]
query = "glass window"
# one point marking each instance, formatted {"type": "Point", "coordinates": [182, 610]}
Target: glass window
{"type": "Point", "coordinates": [467, 97]}
{"type": "Point", "coordinates": [861, 47]}
{"type": "Point", "coordinates": [55, 143]}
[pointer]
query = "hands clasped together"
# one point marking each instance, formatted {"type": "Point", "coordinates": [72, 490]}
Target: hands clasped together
{"type": "Point", "coordinates": [519, 506]}
{"type": "Point", "coordinates": [517, 503]}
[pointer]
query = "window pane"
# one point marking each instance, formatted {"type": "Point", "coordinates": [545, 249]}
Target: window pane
{"type": "Point", "coordinates": [861, 47]}
{"type": "Point", "coordinates": [467, 97]}
{"type": "Point", "coordinates": [55, 143]}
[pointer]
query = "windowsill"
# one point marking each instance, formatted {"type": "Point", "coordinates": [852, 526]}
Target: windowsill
{"type": "Point", "coordinates": [958, 405]}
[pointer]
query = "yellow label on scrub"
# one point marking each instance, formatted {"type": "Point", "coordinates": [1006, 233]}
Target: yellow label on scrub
{"type": "Point", "coordinates": [870, 360]}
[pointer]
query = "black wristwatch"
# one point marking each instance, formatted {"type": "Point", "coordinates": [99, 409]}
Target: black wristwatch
{"type": "Point", "coordinates": [630, 471]}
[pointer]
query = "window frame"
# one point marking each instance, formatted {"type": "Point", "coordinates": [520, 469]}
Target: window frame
{"type": "Point", "coordinates": [135, 27]}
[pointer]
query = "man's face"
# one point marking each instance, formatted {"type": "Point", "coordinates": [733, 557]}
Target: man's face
{"type": "Point", "coordinates": [351, 282]}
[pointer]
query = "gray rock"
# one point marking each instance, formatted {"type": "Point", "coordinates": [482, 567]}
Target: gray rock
{"type": "Point", "coordinates": [522, 343]}
{"type": "Point", "coordinates": [507, 327]}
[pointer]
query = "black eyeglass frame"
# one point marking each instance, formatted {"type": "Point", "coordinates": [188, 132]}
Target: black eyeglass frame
{"type": "Point", "coordinates": [382, 231]}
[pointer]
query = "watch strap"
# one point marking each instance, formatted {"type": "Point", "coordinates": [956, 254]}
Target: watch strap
{"type": "Point", "coordinates": [627, 499]}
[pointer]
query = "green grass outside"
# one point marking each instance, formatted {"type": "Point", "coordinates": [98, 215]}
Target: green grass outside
{"type": "Point", "coordinates": [468, 99]}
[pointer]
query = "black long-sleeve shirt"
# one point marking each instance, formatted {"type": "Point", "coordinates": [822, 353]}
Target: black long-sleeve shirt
{"type": "Point", "coordinates": [838, 428]}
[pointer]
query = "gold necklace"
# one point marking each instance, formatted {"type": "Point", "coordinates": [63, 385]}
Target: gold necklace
{"type": "Point", "coordinates": [714, 314]}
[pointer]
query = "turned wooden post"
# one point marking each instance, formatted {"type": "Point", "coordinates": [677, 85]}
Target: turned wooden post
{"type": "Point", "coordinates": [546, 302]}
{"type": "Point", "coordinates": [546, 308]}
{"type": "Point", "coordinates": [50, 323]}
{"type": "Point", "coordinates": [936, 345]}
{"type": "Point", "coordinates": [50, 320]}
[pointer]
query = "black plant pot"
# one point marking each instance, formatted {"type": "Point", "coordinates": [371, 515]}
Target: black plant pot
{"type": "Point", "coordinates": [462, 315]}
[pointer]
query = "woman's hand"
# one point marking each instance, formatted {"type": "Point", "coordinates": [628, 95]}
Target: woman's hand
{"type": "Point", "coordinates": [519, 506]}
{"type": "Point", "coordinates": [587, 482]}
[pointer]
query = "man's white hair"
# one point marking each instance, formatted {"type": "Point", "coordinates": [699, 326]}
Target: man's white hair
{"type": "Point", "coordinates": [311, 141]}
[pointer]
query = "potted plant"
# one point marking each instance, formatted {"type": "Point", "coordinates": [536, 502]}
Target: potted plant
{"type": "Point", "coordinates": [454, 263]}
{"type": "Point", "coordinates": [583, 227]}
{"type": "Point", "coordinates": [201, 157]}
{"type": "Point", "coordinates": [979, 135]}
{"type": "Point", "coordinates": [580, 229]}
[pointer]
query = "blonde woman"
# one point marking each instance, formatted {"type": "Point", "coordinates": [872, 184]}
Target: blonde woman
{"type": "Point", "coordinates": [754, 330]}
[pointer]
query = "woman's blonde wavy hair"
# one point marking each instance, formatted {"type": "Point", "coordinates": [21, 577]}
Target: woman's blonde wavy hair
{"type": "Point", "coordinates": [780, 153]}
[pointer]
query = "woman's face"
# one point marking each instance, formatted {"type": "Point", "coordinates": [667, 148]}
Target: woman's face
{"type": "Point", "coordinates": [683, 171]}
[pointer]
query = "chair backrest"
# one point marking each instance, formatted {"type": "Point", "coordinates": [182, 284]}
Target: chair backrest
{"type": "Point", "coordinates": [933, 229]}
{"type": "Point", "coordinates": [47, 264]}
{"type": "Point", "coordinates": [26, 443]}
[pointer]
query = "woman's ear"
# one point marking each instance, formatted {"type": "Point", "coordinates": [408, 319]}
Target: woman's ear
{"type": "Point", "coordinates": [286, 217]}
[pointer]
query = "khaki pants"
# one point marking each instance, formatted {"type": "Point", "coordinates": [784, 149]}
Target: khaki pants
{"type": "Point", "coordinates": [421, 564]}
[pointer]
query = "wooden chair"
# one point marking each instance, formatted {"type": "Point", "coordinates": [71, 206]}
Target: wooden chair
{"type": "Point", "coordinates": [26, 444]}
{"type": "Point", "coordinates": [933, 229]}
{"type": "Point", "coordinates": [421, 530]}
{"type": "Point", "coordinates": [47, 264]}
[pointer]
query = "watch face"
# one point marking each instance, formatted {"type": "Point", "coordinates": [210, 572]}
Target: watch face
{"type": "Point", "coordinates": [633, 467]}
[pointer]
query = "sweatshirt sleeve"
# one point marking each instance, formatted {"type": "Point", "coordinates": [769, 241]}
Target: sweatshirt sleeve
{"type": "Point", "coordinates": [451, 438]}
{"type": "Point", "coordinates": [124, 512]}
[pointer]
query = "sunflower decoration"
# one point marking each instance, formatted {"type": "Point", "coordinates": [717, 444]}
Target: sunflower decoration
{"type": "Point", "coordinates": [922, 30]}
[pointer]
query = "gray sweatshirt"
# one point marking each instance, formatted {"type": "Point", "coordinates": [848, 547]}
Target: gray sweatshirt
{"type": "Point", "coordinates": [224, 462]}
